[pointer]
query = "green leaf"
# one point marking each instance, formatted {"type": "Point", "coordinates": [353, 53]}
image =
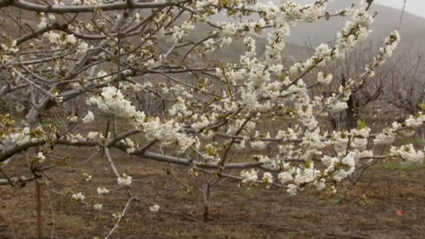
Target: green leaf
{"type": "Point", "coordinates": [422, 106]}
{"type": "Point", "coordinates": [308, 163]}
{"type": "Point", "coordinates": [361, 124]}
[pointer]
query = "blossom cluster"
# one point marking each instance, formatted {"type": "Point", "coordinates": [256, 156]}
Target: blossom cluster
{"type": "Point", "coordinates": [207, 101]}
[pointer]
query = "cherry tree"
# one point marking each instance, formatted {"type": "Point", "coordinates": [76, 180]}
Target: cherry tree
{"type": "Point", "coordinates": [406, 89]}
{"type": "Point", "coordinates": [361, 95]}
{"type": "Point", "coordinates": [104, 53]}
{"type": "Point", "coordinates": [405, 92]}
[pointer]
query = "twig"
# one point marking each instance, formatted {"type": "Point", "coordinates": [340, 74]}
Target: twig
{"type": "Point", "coordinates": [7, 177]}
{"type": "Point", "coordinates": [53, 218]}
{"type": "Point", "coordinates": [92, 156]}
{"type": "Point", "coordinates": [402, 14]}
{"type": "Point", "coordinates": [106, 135]}
{"type": "Point", "coordinates": [114, 169]}
{"type": "Point", "coordinates": [14, 180]}
{"type": "Point", "coordinates": [127, 205]}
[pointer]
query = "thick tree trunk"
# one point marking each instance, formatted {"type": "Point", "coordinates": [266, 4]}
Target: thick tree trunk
{"type": "Point", "coordinates": [351, 116]}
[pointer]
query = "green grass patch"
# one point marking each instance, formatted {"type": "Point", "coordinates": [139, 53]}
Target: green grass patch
{"type": "Point", "coordinates": [44, 122]}
{"type": "Point", "coordinates": [395, 166]}
{"type": "Point", "coordinates": [411, 141]}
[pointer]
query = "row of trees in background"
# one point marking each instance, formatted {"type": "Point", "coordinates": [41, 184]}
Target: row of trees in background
{"type": "Point", "coordinates": [397, 89]}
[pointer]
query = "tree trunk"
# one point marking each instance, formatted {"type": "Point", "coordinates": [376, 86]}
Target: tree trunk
{"type": "Point", "coordinates": [334, 123]}
{"type": "Point", "coordinates": [38, 209]}
{"type": "Point", "coordinates": [206, 211]}
{"type": "Point", "coordinates": [351, 114]}
{"type": "Point", "coordinates": [206, 202]}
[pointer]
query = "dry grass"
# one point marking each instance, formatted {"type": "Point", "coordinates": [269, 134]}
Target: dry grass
{"type": "Point", "coordinates": [367, 210]}
{"type": "Point", "coordinates": [235, 212]}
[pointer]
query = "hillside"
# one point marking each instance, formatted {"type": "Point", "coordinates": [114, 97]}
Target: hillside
{"type": "Point", "coordinates": [412, 29]}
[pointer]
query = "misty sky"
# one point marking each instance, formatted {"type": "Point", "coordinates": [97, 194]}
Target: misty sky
{"type": "Point", "coordinates": [416, 7]}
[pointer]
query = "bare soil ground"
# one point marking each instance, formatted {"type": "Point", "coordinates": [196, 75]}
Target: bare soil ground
{"type": "Point", "coordinates": [235, 212]}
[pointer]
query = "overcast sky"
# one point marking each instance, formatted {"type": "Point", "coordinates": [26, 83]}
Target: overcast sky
{"type": "Point", "coordinates": [416, 7]}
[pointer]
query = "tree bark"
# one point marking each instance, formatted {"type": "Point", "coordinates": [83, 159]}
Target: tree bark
{"type": "Point", "coordinates": [206, 202]}
{"type": "Point", "coordinates": [351, 114]}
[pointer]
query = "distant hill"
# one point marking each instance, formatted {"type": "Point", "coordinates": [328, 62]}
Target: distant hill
{"type": "Point", "coordinates": [412, 29]}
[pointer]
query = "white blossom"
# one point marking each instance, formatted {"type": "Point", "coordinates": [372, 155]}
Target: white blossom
{"type": "Point", "coordinates": [78, 197]}
{"type": "Point", "coordinates": [249, 176]}
{"type": "Point", "coordinates": [97, 206]}
{"type": "Point", "coordinates": [40, 157]}
{"type": "Point", "coordinates": [117, 215]}
{"type": "Point", "coordinates": [89, 117]}
{"type": "Point", "coordinates": [82, 48]}
{"type": "Point", "coordinates": [408, 153]}
{"type": "Point", "coordinates": [324, 79]}
{"type": "Point", "coordinates": [125, 180]}
{"type": "Point", "coordinates": [268, 179]}
{"type": "Point", "coordinates": [292, 189]}
{"type": "Point", "coordinates": [154, 208]}
{"type": "Point", "coordinates": [384, 138]}
{"type": "Point", "coordinates": [102, 190]}
{"type": "Point", "coordinates": [87, 176]}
